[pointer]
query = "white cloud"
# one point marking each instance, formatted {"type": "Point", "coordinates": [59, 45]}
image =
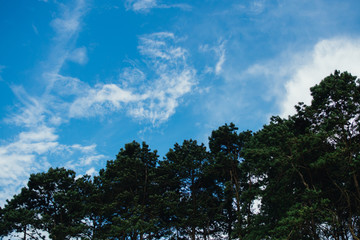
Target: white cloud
{"type": "Point", "coordinates": [159, 95]}
{"type": "Point", "coordinates": [85, 149]}
{"type": "Point", "coordinates": [140, 5]}
{"type": "Point", "coordinates": [29, 153]}
{"type": "Point", "coordinates": [220, 53]}
{"type": "Point", "coordinates": [164, 96]}
{"type": "Point", "coordinates": [64, 85]}
{"type": "Point", "coordinates": [91, 172]}
{"type": "Point", "coordinates": [42, 133]}
{"type": "Point", "coordinates": [155, 46]}
{"type": "Point", "coordinates": [67, 28]}
{"type": "Point", "coordinates": [38, 116]}
{"type": "Point", "coordinates": [39, 141]}
{"type": "Point", "coordinates": [79, 55]}
{"type": "Point", "coordinates": [88, 160]}
{"type": "Point", "coordinates": [52, 107]}
{"type": "Point", "coordinates": [254, 7]}
{"type": "Point", "coordinates": [257, 6]}
{"type": "Point", "coordinates": [102, 98]}
{"type": "Point", "coordinates": [147, 5]}
{"type": "Point", "coordinates": [274, 87]}
{"type": "Point", "coordinates": [132, 77]}
{"type": "Point", "coordinates": [31, 113]}
{"type": "Point", "coordinates": [297, 72]}
{"type": "Point", "coordinates": [36, 31]}
{"type": "Point", "coordinates": [19, 158]}
{"type": "Point", "coordinates": [339, 53]}
{"type": "Point", "coordinates": [69, 23]}
{"type": "Point", "coordinates": [165, 80]}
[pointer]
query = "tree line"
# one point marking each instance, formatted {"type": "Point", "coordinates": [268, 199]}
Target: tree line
{"type": "Point", "coordinates": [296, 178]}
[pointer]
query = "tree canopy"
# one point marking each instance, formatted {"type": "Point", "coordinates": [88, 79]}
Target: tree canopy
{"type": "Point", "coordinates": [296, 178]}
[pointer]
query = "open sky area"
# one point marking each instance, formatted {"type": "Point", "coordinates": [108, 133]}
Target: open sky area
{"type": "Point", "coordinates": [81, 78]}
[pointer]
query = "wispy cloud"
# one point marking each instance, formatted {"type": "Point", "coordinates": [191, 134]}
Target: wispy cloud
{"type": "Point", "coordinates": [30, 112]}
{"type": "Point", "coordinates": [101, 99]}
{"type": "Point", "coordinates": [69, 23]}
{"type": "Point", "coordinates": [257, 6]}
{"type": "Point", "coordinates": [29, 152]}
{"type": "Point", "coordinates": [164, 81]}
{"type": "Point", "coordinates": [79, 55]}
{"type": "Point", "coordinates": [19, 154]}
{"type": "Point", "coordinates": [88, 157]}
{"type": "Point", "coordinates": [245, 8]}
{"type": "Point", "coordinates": [140, 5]}
{"type": "Point", "coordinates": [147, 5]}
{"type": "Point", "coordinates": [36, 31]}
{"type": "Point", "coordinates": [220, 53]}
{"type": "Point", "coordinates": [39, 116]}
{"type": "Point", "coordinates": [67, 28]}
{"type": "Point", "coordinates": [17, 158]}
{"type": "Point", "coordinates": [170, 78]}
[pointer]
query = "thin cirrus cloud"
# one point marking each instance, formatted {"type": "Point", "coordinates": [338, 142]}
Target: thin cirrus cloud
{"type": "Point", "coordinates": [67, 28]}
{"type": "Point", "coordinates": [79, 55]}
{"type": "Point", "coordinates": [219, 51]}
{"type": "Point", "coordinates": [157, 98]}
{"type": "Point", "coordinates": [146, 5]}
{"type": "Point", "coordinates": [30, 113]}
{"type": "Point", "coordinates": [68, 97]}
{"type": "Point", "coordinates": [39, 116]}
{"type": "Point", "coordinates": [40, 110]}
{"type": "Point", "coordinates": [140, 5]}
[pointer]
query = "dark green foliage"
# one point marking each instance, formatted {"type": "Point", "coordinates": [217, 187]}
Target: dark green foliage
{"type": "Point", "coordinates": [55, 196]}
{"type": "Point", "coordinates": [306, 168]}
{"type": "Point", "coordinates": [130, 195]}
{"type": "Point", "coordinates": [194, 190]}
{"type": "Point", "coordinates": [296, 178]}
{"type": "Point", "coordinates": [225, 146]}
{"type": "Point", "coordinates": [18, 217]}
{"type": "Point", "coordinates": [50, 202]}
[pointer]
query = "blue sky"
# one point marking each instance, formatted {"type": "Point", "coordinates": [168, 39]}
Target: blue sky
{"type": "Point", "coordinates": [79, 79]}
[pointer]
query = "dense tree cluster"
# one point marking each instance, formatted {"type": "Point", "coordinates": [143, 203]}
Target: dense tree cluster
{"type": "Point", "coordinates": [296, 178]}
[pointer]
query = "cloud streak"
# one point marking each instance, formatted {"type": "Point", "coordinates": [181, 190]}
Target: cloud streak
{"type": "Point", "coordinates": [149, 94]}
{"type": "Point", "coordinates": [169, 79]}
{"type": "Point", "coordinates": [67, 28]}
{"type": "Point", "coordinates": [145, 6]}
{"type": "Point", "coordinates": [39, 116]}
{"type": "Point", "coordinates": [219, 51]}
